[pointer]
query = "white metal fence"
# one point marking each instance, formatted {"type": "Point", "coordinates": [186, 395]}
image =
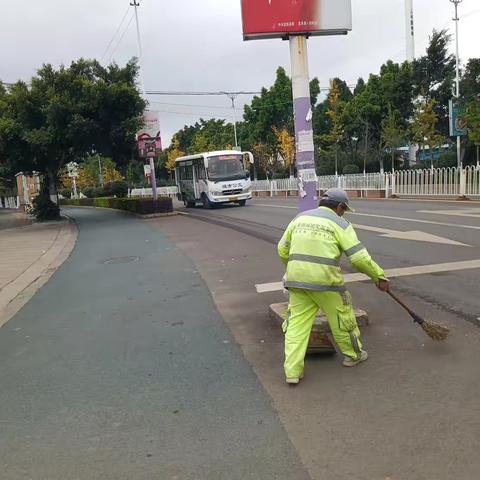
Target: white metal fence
{"type": "Point", "coordinates": [440, 182]}
{"type": "Point", "coordinates": [9, 202]}
{"type": "Point", "coordinates": [148, 192]}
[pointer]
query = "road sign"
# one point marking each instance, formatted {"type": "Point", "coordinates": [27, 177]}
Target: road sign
{"type": "Point", "coordinates": [72, 169]}
{"type": "Point", "coordinates": [280, 18]}
{"type": "Point", "coordinates": [458, 123]}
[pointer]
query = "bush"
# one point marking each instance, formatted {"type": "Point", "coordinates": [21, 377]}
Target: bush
{"type": "Point", "coordinates": [141, 206]}
{"type": "Point", "coordinates": [117, 189]}
{"type": "Point", "coordinates": [65, 192]}
{"type": "Point", "coordinates": [350, 169]}
{"type": "Point", "coordinates": [44, 209]}
{"type": "Point", "coordinates": [89, 192]}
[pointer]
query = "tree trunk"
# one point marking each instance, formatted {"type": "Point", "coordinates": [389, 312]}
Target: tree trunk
{"type": "Point", "coordinates": [52, 185]}
{"type": "Point", "coordinates": [393, 161]}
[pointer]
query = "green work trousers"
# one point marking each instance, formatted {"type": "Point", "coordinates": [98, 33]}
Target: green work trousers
{"type": "Point", "coordinates": [302, 310]}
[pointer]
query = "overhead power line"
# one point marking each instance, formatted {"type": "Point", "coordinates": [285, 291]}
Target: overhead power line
{"type": "Point", "coordinates": [121, 37]}
{"type": "Point", "coordinates": [115, 34]}
{"type": "Point", "coordinates": [182, 94]}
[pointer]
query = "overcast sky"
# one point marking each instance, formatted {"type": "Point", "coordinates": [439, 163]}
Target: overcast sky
{"type": "Point", "coordinates": [196, 45]}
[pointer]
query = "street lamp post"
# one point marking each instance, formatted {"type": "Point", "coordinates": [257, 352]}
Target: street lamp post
{"type": "Point", "coordinates": [457, 76]}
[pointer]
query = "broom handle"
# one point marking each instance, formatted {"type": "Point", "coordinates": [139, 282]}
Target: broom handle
{"type": "Point", "coordinates": [400, 302]}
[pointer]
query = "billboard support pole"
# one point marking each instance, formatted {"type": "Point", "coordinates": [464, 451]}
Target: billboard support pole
{"type": "Point", "coordinates": [153, 179]}
{"type": "Point", "coordinates": [302, 110]}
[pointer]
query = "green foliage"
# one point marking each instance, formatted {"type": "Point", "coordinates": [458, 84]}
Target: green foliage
{"type": "Point", "coordinates": [117, 189]}
{"type": "Point", "coordinates": [141, 206]}
{"type": "Point", "coordinates": [350, 169]}
{"type": "Point", "coordinates": [434, 74]}
{"type": "Point", "coordinates": [473, 120]}
{"type": "Point", "coordinates": [68, 112]}
{"type": "Point", "coordinates": [65, 192]}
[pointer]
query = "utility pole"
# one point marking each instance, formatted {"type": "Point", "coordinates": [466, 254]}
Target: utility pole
{"type": "Point", "coordinates": [410, 57]}
{"type": "Point", "coordinates": [232, 97]}
{"type": "Point", "coordinates": [409, 30]}
{"type": "Point", "coordinates": [135, 4]}
{"type": "Point", "coordinates": [457, 78]}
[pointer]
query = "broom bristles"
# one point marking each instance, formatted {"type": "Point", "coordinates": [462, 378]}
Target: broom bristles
{"type": "Point", "coordinates": [435, 331]}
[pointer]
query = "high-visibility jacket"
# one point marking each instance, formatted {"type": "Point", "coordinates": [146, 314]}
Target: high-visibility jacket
{"type": "Point", "coordinates": [311, 248]}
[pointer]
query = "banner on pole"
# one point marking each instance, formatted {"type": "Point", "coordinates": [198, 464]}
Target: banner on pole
{"type": "Point", "coordinates": [281, 18]}
{"type": "Point", "coordinates": [458, 123]}
{"type": "Point", "coordinates": [148, 137]}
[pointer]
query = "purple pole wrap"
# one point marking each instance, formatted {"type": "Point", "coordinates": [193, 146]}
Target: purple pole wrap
{"type": "Point", "coordinates": [305, 157]}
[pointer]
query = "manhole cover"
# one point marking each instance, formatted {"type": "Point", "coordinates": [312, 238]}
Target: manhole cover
{"type": "Point", "coordinates": [121, 260]}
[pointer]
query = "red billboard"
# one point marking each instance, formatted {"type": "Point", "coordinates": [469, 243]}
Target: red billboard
{"type": "Point", "coordinates": [281, 18]}
{"type": "Point", "coordinates": [148, 138]}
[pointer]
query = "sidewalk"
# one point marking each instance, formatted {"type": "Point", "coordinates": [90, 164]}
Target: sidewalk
{"type": "Point", "coordinates": [30, 254]}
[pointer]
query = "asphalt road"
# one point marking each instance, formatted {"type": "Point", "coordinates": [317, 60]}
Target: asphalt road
{"type": "Point", "coordinates": [411, 412]}
{"type": "Point", "coordinates": [122, 368]}
{"type": "Point", "coordinates": [459, 222]}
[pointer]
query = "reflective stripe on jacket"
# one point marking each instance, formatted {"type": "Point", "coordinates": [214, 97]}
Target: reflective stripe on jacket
{"type": "Point", "coordinates": [312, 246]}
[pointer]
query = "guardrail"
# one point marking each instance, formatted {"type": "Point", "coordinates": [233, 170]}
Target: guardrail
{"type": "Point", "coordinates": [440, 182]}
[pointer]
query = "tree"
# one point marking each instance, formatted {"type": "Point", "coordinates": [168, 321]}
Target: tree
{"type": "Point", "coordinates": [274, 109]}
{"type": "Point", "coordinates": [425, 126]}
{"type": "Point", "coordinates": [286, 147]}
{"type": "Point", "coordinates": [336, 115]}
{"type": "Point", "coordinates": [472, 116]}
{"type": "Point", "coordinates": [393, 133]}
{"type": "Point", "coordinates": [470, 82]}
{"type": "Point", "coordinates": [173, 153]}
{"type": "Point", "coordinates": [434, 74]}
{"type": "Point", "coordinates": [89, 173]}
{"type": "Point", "coordinates": [68, 112]}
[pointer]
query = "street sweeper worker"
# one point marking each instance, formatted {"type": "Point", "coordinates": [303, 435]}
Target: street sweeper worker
{"type": "Point", "coordinates": [311, 248]}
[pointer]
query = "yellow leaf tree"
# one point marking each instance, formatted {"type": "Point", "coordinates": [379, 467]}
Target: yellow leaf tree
{"type": "Point", "coordinates": [173, 153]}
{"type": "Point", "coordinates": [286, 147]}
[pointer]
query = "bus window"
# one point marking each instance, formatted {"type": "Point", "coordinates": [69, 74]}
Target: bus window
{"type": "Point", "coordinates": [202, 174]}
{"type": "Point", "coordinates": [226, 167]}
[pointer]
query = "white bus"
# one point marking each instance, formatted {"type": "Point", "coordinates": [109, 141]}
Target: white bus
{"type": "Point", "coordinates": [214, 178]}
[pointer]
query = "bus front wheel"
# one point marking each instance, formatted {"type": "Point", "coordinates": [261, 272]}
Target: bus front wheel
{"type": "Point", "coordinates": [242, 203]}
{"type": "Point", "coordinates": [206, 202]}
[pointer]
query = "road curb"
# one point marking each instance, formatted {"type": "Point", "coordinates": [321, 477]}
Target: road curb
{"type": "Point", "coordinates": [20, 290]}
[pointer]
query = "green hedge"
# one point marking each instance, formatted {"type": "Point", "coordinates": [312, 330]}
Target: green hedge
{"type": "Point", "coordinates": [142, 206]}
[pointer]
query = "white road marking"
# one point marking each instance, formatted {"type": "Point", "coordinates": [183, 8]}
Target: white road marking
{"type": "Point", "coordinates": [429, 222]}
{"type": "Point", "coordinates": [415, 235]}
{"type": "Point", "coordinates": [391, 273]}
{"type": "Point", "coordinates": [470, 212]}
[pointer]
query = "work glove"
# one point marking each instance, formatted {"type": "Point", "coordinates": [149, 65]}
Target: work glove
{"type": "Point", "coordinates": [383, 285]}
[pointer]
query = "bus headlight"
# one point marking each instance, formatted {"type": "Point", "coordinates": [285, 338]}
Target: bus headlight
{"type": "Point", "coordinates": [247, 189]}
{"type": "Point", "coordinates": [216, 194]}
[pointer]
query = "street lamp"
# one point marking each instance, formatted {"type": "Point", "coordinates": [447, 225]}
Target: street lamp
{"type": "Point", "coordinates": [457, 76]}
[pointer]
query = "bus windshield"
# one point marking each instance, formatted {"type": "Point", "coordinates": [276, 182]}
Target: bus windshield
{"type": "Point", "coordinates": [226, 167]}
